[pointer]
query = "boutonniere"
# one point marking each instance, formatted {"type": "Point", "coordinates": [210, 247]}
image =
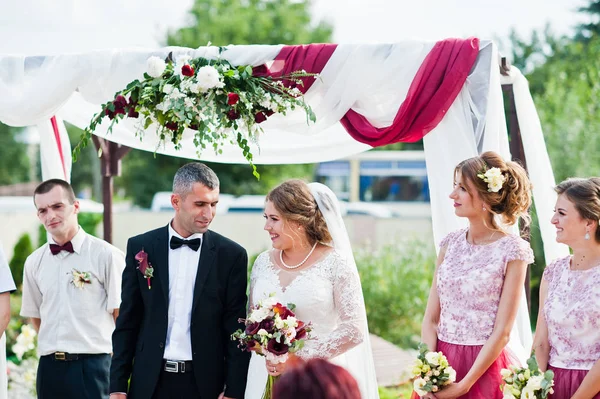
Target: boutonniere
{"type": "Point", "coordinates": [144, 267]}
{"type": "Point", "coordinates": [80, 278]}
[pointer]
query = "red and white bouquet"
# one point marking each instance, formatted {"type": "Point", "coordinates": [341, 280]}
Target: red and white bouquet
{"type": "Point", "coordinates": [272, 330]}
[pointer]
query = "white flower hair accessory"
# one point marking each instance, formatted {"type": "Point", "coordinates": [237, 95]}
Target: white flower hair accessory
{"type": "Point", "coordinates": [494, 179]}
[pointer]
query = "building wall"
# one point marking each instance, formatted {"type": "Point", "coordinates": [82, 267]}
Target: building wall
{"type": "Point", "coordinates": [245, 228]}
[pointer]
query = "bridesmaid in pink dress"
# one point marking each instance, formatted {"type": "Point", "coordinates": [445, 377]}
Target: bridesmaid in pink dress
{"type": "Point", "coordinates": [567, 338]}
{"type": "Point", "coordinates": [479, 277]}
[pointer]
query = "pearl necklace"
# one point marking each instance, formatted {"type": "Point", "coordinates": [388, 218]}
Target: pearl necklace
{"type": "Point", "coordinates": [299, 264]}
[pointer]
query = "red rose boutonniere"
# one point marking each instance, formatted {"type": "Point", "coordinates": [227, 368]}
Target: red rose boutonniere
{"type": "Point", "coordinates": [145, 268]}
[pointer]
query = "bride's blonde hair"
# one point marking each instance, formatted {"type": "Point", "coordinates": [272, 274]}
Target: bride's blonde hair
{"type": "Point", "coordinates": [294, 201]}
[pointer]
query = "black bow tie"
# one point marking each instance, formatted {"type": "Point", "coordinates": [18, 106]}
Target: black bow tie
{"type": "Point", "coordinates": [55, 248]}
{"type": "Point", "coordinates": [177, 242]}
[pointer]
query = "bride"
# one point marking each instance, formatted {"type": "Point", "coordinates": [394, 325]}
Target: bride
{"type": "Point", "coordinates": [311, 265]}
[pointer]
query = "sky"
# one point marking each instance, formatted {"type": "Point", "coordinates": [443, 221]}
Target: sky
{"type": "Point", "coordinates": [42, 27]}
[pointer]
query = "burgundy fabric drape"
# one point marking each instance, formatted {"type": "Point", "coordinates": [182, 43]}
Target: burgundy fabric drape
{"type": "Point", "coordinates": [433, 89]}
{"type": "Point", "coordinates": [311, 58]}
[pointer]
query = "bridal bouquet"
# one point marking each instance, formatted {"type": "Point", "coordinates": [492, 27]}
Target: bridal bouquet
{"type": "Point", "coordinates": [527, 383]}
{"type": "Point", "coordinates": [273, 331]}
{"type": "Point", "coordinates": [431, 371]}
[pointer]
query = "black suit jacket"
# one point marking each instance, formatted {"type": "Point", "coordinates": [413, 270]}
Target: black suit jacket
{"type": "Point", "coordinates": [219, 301]}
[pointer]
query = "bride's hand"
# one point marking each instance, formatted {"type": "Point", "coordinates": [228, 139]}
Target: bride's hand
{"type": "Point", "coordinates": [275, 369]}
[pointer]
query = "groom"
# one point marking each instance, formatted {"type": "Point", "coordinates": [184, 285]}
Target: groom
{"type": "Point", "coordinates": [184, 289]}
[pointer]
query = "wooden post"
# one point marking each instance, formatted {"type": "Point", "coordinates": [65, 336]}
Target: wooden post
{"type": "Point", "coordinates": [517, 153]}
{"type": "Point", "coordinates": [110, 164]}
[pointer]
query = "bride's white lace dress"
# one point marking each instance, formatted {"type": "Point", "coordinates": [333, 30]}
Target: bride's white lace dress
{"type": "Point", "coordinates": [327, 294]}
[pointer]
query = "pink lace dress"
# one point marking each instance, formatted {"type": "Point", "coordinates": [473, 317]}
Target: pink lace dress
{"type": "Point", "coordinates": [573, 318]}
{"type": "Point", "coordinates": [469, 284]}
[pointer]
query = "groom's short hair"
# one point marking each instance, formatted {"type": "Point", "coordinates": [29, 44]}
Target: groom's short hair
{"type": "Point", "coordinates": [191, 173]}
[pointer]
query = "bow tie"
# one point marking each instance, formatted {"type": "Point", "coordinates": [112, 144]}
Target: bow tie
{"type": "Point", "coordinates": [55, 248]}
{"type": "Point", "coordinates": [177, 242]}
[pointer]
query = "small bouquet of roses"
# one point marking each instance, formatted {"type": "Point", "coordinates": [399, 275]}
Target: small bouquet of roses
{"type": "Point", "coordinates": [527, 383]}
{"type": "Point", "coordinates": [431, 371]}
{"type": "Point", "coordinates": [273, 331]}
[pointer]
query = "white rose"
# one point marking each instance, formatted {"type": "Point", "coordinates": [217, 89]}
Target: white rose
{"type": "Point", "coordinates": [535, 382]}
{"type": "Point", "coordinates": [433, 358]}
{"type": "Point", "coordinates": [291, 322]}
{"type": "Point", "coordinates": [279, 323]}
{"type": "Point", "coordinates": [451, 374]}
{"type": "Point", "coordinates": [155, 67]}
{"type": "Point", "coordinates": [259, 315]}
{"type": "Point", "coordinates": [505, 373]}
{"type": "Point", "coordinates": [208, 77]}
{"type": "Point", "coordinates": [418, 386]}
{"type": "Point", "coordinates": [527, 393]}
{"type": "Point", "coordinates": [262, 332]}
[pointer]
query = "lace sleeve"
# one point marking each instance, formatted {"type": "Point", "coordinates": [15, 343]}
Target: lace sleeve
{"type": "Point", "coordinates": [349, 308]}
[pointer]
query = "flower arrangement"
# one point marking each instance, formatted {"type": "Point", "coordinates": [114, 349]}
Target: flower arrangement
{"type": "Point", "coordinates": [80, 279]}
{"type": "Point", "coordinates": [431, 371]}
{"type": "Point", "coordinates": [222, 103]}
{"type": "Point", "coordinates": [273, 331]}
{"type": "Point", "coordinates": [145, 267]}
{"type": "Point", "coordinates": [22, 371]}
{"type": "Point", "coordinates": [494, 179]}
{"type": "Point", "coordinates": [527, 383]}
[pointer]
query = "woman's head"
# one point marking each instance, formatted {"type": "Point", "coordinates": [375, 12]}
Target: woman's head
{"type": "Point", "coordinates": [577, 211]}
{"type": "Point", "coordinates": [316, 379]}
{"type": "Point", "coordinates": [293, 217]}
{"type": "Point", "coordinates": [486, 185]}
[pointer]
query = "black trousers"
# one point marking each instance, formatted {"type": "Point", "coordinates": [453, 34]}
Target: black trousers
{"type": "Point", "coordinates": [84, 378]}
{"type": "Point", "coordinates": [176, 386]}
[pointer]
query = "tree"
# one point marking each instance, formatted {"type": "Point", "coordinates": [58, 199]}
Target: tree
{"type": "Point", "coordinates": [221, 23]}
{"type": "Point", "coordinates": [23, 248]}
{"type": "Point", "coordinates": [14, 162]}
{"type": "Point", "coordinates": [586, 31]}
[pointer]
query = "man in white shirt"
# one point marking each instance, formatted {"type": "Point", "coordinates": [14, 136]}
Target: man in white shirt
{"type": "Point", "coordinates": [7, 285]}
{"type": "Point", "coordinates": [71, 292]}
{"type": "Point", "coordinates": [184, 291]}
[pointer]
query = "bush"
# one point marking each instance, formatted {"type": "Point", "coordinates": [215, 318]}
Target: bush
{"type": "Point", "coordinates": [23, 248]}
{"type": "Point", "coordinates": [396, 282]}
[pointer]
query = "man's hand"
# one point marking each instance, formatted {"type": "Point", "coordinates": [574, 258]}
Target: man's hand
{"type": "Point", "coordinates": [118, 396]}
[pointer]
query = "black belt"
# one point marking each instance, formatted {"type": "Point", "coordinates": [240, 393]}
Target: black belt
{"type": "Point", "coordinates": [69, 357]}
{"type": "Point", "coordinates": [177, 366]}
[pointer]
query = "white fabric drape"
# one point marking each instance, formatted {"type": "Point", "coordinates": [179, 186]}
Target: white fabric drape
{"type": "Point", "coordinates": [372, 79]}
{"type": "Point", "coordinates": [538, 163]}
{"type": "Point", "coordinates": [55, 164]}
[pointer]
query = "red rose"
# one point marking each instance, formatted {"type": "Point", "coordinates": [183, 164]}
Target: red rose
{"type": "Point", "coordinates": [252, 329]}
{"type": "Point", "coordinates": [260, 117]}
{"type": "Point", "coordinates": [109, 113]}
{"type": "Point", "coordinates": [232, 98]}
{"type": "Point", "coordinates": [269, 113]}
{"type": "Point", "coordinates": [233, 114]}
{"type": "Point", "coordinates": [277, 348]}
{"type": "Point", "coordinates": [187, 70]}
{"type": "Point", "coordinates": [283, 312]}
{"type": "Point", "coordinates": [120, 104]}
{"type": "Point", "coordinates": [267, 325]}
{"type": "Point", "coordinates": [132, 113]}
{"type": "Point", "coordinates": [172, 126]}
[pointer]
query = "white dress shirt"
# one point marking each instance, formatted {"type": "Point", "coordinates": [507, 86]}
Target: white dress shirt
{"type": "Point", "coordinates": [74, 320]}
{"type": "Point", "coordinates": [7, 284]}
{"type": "Point", "coordinates": [183, 267]}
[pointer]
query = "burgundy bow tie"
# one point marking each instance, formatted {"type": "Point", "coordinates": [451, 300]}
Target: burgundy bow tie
{"type": "Point", "coordinates": [55, 248]}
